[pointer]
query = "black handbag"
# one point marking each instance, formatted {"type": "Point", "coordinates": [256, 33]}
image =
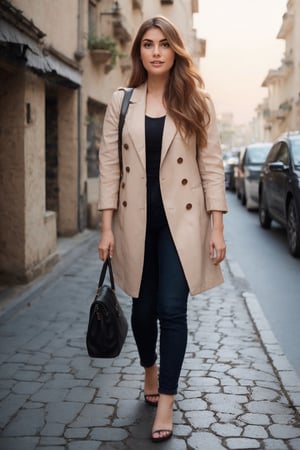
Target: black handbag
{"type": "Point", "coordinates": [107, 326]}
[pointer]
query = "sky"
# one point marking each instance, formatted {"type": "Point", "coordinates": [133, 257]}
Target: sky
{"type": "Point", "coordinates": [241, 47]}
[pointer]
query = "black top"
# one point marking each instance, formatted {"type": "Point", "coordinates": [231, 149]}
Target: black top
{"type": "Point", "coordinates": [156, 216]}
{"type": "Point", "coordinates": [154, 127]}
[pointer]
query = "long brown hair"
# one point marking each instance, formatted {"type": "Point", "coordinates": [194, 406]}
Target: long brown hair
{"type": "Point", "coordinates": [183, 98]}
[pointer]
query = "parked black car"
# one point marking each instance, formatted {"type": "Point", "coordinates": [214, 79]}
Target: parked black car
{"type": "Point", "coordinates": [230, 160]}
{"type": "Point", "coordinates": [279, 188]}
{"type": "Point", "coordinates": [248, 172]}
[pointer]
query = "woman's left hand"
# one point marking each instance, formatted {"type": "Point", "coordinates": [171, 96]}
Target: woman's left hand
{"type": "Point", "coordinates": [217, 247]}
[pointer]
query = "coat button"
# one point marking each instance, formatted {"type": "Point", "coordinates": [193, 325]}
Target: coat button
{"type": "Point", "coordinates": [189, 206]}
{"type": "Point", "coordinates": [124, 203]}
{"type": "Point", "coordinates": [127, 169]}
{"type": "Point", "coordinates": [184, 181]}
{"type": "Point", "coordinates": [180, 160]}
{"type": "Point", "coordinates": [126, 146]}
{"type": "Point", "coordinates": [123, 185]}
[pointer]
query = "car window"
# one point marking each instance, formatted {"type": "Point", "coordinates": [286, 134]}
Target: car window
{"type": "Point", "coordinates": [296, 152]}
{"type": "Point", "coordinates": [273, 153]}
{"type": "Point", "coordinates": [256, 155]}
{"type": "Point", "coordinates": [283, 154]}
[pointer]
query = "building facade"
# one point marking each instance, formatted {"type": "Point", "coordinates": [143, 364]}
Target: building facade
{"type": "Point", "coordinates": [60, 61]}
{"type": "Point", "coordinates": [280, 112]}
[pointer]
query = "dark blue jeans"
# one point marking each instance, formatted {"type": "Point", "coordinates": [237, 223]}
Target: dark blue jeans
{"type": "Point", "coordinates": [162, 298]}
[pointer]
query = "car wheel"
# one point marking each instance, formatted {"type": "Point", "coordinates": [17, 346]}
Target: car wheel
{"type": "Point", "coordinates": [293, 229]}
{"type": "Point", "coordinates": [263, 213]}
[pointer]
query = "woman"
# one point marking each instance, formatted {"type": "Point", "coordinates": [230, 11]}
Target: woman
{"type": "Point", "coordinates": [162, 224]}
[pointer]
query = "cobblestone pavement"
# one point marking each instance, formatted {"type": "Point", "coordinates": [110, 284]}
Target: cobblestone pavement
{"type": "Point", "coordinates": [237, 390]}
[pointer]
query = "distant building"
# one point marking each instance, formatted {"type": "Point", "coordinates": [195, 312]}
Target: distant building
{"type": "Point", "coordinates": [280, 112]}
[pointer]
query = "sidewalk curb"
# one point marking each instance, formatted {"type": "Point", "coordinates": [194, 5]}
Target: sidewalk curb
{"type": "Point", "coordinates": [289, 379]}
{"type": "Point", "coordinates": [83, 242]}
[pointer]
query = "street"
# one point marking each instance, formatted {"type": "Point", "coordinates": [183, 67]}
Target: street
{"type": "Point", "coordinates": [237, 390]}
{"type": "Point", "coordinates": [273, 274]}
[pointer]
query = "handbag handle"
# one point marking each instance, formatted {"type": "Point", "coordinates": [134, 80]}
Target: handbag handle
{"type": "Point", "coordinates": [107, 264]}
{"type": "Point", "coordinates": [124, 108]}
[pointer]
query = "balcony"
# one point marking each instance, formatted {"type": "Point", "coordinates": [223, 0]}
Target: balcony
{"type": "Point", "coordinates": [287, 25]}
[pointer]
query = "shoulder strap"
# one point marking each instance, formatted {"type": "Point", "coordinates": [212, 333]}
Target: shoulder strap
{"type": "Point", "coordinates": [124, 108]}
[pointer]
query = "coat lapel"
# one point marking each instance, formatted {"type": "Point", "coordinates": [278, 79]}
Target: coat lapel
{"type": "Point", "coordinates": [168, 136]}
{"type": "Point", "coordinates": [136, 121]}
{"type": "Point", "coordinates": [136, 125]}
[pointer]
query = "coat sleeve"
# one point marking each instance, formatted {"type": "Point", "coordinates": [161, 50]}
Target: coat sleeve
{"type": "Point", "coordinates": [211, 167]}
{"type": "Point", "coordinates": [109, 168]}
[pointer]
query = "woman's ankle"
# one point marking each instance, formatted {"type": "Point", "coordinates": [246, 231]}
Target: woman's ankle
{"type": "Point", "coordinates": [164, 413]}
{"type": "Point", "coordinates": [151, 380]}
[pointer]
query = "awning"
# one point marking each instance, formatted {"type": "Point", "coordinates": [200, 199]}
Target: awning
{"type": "Point", "coordinates": [34, 57]}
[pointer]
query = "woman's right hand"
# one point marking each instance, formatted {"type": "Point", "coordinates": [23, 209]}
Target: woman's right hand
{"type": "Point", "coordinates": [106, 244]}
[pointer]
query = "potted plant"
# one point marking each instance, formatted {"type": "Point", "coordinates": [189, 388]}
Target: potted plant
{"type": "Point", "coordinates": [103, 48]}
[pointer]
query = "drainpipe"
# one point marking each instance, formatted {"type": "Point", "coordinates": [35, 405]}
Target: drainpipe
{"type": "Point", "coordinates": [79, 55]}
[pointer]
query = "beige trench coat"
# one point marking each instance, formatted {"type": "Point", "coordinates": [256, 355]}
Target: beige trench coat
{"type": "Point", "coordinates": [192, 185]}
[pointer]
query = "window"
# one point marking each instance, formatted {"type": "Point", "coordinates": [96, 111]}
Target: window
{"type": "Point", "coordinates": [283, 154]}
{"type": "Point", "coordinates": [92, 18]}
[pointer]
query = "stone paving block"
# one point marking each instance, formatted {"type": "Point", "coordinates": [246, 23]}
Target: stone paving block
{"type": "Point", "coordinates": [113, 446]}
{"type": "Point", "coordinates": [286, 419]}
{"type": "Point", "coordinates": [193, 405]}
{"type": "Point", "coordinates": [202, 381]}
{"type": "Point", "coordinates": [93, 416]}
{"type": "Point", "coordinates": [251, 374]}
{"type": "Point", "coordinates": [51, 447]}
{"type": "Point", "coordinates": [18, 443]}
{"type": "Point", "coordinates": [284, 431]}
{"type": "Point", "coordinates": [63, 412]}
{"type": "Point", "coordinates": [255, 431]}
{"type": "Point", "coordinates": [200, 419]}
{"type": "Point", "coordinates": [53, 429]}
{"type": "Point", "coordinates": [52, 441]}
{"type": "Point", "coordinates": [10, 406]}
{"type": "Point", "coordinates": [226, 430]}
{"type": "Point", "coordinates": [65, 381]}
{"type": "Point", "coordinates": [49, 395]}
{"type": "Point", "coordinates": [108, 434]}
{"type": "Point", "coordinates": [129, 408]}
{"type": "Point", "coordinates": [242, 443]}
{"type": "Point", "coordinates": [76, 433]}
{"type": "Point", "coordinates": [106, 380]}
{"type": "Point", "coordinates": [27, 375]}
{"type": "Point", "coordinates": [258, 393]}
{"type": "Point", "coordinates": [4, 393]}
{"type": "Point", "coordinates": [295, 444]}
{"type": "Point", "coordinates": [255, 419]}
{"type": "Point", "coordinates": [202, 440]}
{"type": "Point", "coordinates": [81, 394]}
{"type": "Point", "coordinates": [267, 407]}
{"type": "Point", "coordinates": [26, 387]}
{"type": "Point", "coordinates": [8, 370]}
{"type": "Point", "coordinates": [276, 444]}
{"type": "Point", "coordinates": [27, 422]}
